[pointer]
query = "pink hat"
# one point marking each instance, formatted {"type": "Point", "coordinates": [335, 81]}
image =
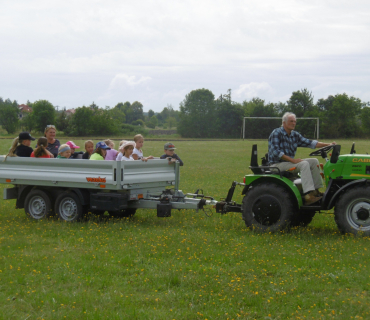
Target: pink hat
{"type": "Point", "coordinates": [72, 145]}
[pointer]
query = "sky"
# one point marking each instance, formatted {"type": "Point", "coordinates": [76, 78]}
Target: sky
{"type": "Point", "coordinates": [73, 53]}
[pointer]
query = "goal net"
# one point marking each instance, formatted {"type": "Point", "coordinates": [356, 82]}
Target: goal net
{"type": "Point", "coordinates": [261, 127]}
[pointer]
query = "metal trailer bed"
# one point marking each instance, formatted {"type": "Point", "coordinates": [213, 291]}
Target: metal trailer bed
{"type": "Point", "coordinates": [76, 186]}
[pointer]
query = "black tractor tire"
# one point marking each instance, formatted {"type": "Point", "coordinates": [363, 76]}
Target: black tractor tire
{"type": "Point", "coordinates": [267, 208]}
{"type": "Point", "coordinates": [302, 218]}
{"type": "Point", "coordinates": [124, 213]}
{"type": "Point", "coordinates": [352, 211]}
{"type": "Point", "coordinates": [38, 205]}
{"type": "Point", "coordinates": [68, 207]}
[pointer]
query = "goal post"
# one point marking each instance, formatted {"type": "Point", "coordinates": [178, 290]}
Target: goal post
{"type": "Point", "coordinates": [317, 129]}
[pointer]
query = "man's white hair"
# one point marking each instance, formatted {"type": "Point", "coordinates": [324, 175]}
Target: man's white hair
{"type": "Point", "coordinates": [287, 115]}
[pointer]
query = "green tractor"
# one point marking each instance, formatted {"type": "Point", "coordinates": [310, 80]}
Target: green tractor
{"type": "Point", "coordinates": [273, 199]}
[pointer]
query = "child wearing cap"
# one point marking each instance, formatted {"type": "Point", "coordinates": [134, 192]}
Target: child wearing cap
{"type": "Point", "coordinates": [89, 147]}
{"type": "Point", "coordinates": [21, 146]}
{"type": "Point", "coordinates": [100, 151]}
{"type": "Point", "coordinates": [73, 147]}
{"type": "Point", "coordinates": [111, 154]}
{"type": "Point", "coordinates": [138, 153]}
{"type": "Point", "coordinates": [64, 151]}
{"type": "Point", "coordinates": [169, 152]}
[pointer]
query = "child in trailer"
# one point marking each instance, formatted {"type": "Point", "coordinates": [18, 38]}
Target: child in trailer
{"type": "Point", "coordinates": [41, 151]}
{"type": "Point", "coordinates": [138, 152]}
{"type": "Point", "coordinates": [169, 153]}
{"type": "Point", "coordinates": [89, 147]}
{"type": "Point", "coordinates": [111, 154]}
{"type": "Point", "coordinates": [21, 146]}
{"type": "Point", "coordinates": [74, 154]}
{"type": "Point", "coordinates": [127, 149]}
{"type": "Point", "coordinates": [100, 151]}
{"type": "Point", "coordinates": [65, 152]}
{"type": "Point", "coordinates": [120, 150]}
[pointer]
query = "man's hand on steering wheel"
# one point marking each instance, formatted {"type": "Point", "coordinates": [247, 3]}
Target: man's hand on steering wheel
{"type": "Point", "coordinates": [319, 152]}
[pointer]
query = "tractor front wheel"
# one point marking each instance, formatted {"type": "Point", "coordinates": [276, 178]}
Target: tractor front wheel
{"type": "Point", "coordinates": [267, 208]}
{"type": "Point", "coordinates": [352, 211]}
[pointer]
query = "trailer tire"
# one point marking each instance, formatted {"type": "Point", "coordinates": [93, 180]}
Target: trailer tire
{"type": "Point", "coordinates": [352, 211]}
{"type": "Point", "coordinates": [124, 213]}
{"type": "Point", "coordinates": [68, 207]}
{"type": "Point", "coordinates": [37, 204]}
{"type": "Point", "coordinates": [302, 218]}
{"type": "Point", "coordinates": [267, 208]}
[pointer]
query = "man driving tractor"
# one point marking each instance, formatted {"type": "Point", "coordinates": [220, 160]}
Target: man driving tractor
{"type": "Point", "coordinates": [282, 147]}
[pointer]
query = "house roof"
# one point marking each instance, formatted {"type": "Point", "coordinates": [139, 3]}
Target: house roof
{"type": "Point", "coordinates": [24, 108]}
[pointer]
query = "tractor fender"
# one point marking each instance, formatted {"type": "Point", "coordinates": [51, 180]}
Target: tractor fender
{"type": "Point", "coordinates": [254, 180]}
{"type": "Point", "coordinates": [346, 186]}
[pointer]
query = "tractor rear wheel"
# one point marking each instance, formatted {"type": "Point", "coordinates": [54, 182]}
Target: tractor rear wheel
{"type": "Point", "coordinates": [267, 208]}
{"type": "Point", "coordinates": [352, 211]}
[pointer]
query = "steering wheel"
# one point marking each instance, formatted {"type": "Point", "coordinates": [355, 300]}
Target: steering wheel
{"type": "Point", "coordinates": [353, 151]}
{"type": "Point", "coordinates": [321, 151]}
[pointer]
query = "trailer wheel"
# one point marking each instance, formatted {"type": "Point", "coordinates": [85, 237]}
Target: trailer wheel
{"type": "Point", "coordinates": [68, 207]}
{"type": "Point", "coordinates": [124, 213]}
{"type": "Point", "coordinates": [38, 204]}
{"type": "Point", "coordinates": [302, 218]}
{"type": "Point", "coordinates": [267, 208]}
{"type": "Point", "coordinates": [352, 211]}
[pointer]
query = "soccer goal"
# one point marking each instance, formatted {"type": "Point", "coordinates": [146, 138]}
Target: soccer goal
{"type": "Point", "coordinates": [261, 127]}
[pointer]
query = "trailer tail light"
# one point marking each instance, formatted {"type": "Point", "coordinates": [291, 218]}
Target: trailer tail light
{"type": "Point", "coordinates": [140, 196]}
{"type": "Point", "coordinates": [8, 180]}
{"type": "Point", "coordinates": [102, 186]}
{"type": "Point", "coordinates": [244, 179]}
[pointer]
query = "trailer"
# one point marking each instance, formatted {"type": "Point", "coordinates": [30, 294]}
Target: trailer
{"type": "Point", "coordinates": [70, 189]}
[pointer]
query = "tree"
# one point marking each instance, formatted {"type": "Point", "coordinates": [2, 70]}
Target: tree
{"type": "Point", "coordinates": [197, 114]}
{"type": "Point", "coordinates": [339, 116]}
{"type": "Point", "coordinates": [365, 120]}
{"type": "Point", "coordinates": [171, 122]}
{"type": "Point", "coordinates": [62, 120]}
{"type": "Point", "coordinates": [150, 113]}
{"type": "Point", "coordinates": [9, 115]}
{"type": "Point", "coordinates": [43, 114]}
{"type": "Point", "coordinates": [301, 102]}
{"type": "Point", "coordinates": [137, 111]}
{"type": "Point", "coordinates": [28, 122]}
{"type": "Point", "coordinates": [152, 123]}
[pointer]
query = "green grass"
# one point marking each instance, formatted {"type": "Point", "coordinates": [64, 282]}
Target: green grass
{"type": "Point", "coordinates": [188, 266]}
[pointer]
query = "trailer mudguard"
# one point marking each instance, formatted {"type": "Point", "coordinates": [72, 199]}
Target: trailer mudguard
{"type": "Point", "coordinates": [253, 180]}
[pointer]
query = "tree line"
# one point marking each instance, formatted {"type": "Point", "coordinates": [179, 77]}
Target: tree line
{"type": "Point", "coordinates": [204, 116]}
{"type": "Point", "coordinates": [201, 115]}
{"type": "Point", "coordinates": [124, 118]}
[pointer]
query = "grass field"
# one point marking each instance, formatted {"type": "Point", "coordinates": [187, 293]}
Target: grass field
{"type": "Point", "coordinates": [188, 266]}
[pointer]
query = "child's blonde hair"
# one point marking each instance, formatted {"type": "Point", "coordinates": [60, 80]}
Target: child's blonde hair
{"type": "Point", "coordinates": [138, 137]}
{"type": "Point", "coordinates": [62, 147]}
{"type": "Point", "coordinates": [87, 142]}
{"type": "Point", "coordinates": [16, 142]}
{"type": "Point", "coordinates": [108, 142]}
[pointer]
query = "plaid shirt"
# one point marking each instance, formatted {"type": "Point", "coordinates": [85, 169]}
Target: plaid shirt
{"type": "Point", "coordinates": [280, 143]}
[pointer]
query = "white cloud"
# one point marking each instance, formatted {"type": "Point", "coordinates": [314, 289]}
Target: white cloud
{"type": "Point", "coordinates": [121, 80]}
{"type": "Point", "coordinates": [253, 89]}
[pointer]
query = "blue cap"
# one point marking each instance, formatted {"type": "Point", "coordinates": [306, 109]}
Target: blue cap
{"type": "Point", "coordinates": [101, 145]}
